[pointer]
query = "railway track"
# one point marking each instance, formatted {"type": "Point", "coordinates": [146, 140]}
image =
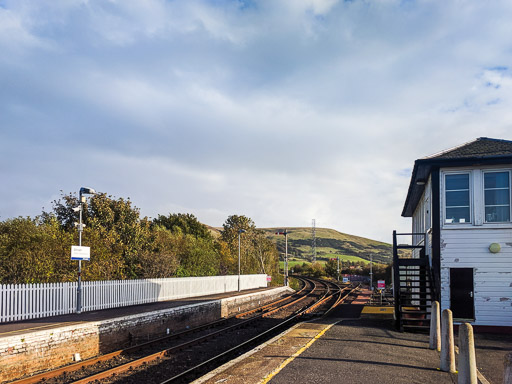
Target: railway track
{"type": "Point", "coordinates": [184, 356]}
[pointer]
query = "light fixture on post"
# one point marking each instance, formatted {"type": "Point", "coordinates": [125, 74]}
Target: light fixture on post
{"type": "Point", "coordinates": [371, 272]}
{"type": "Point", "coordinates": [240, 231]}
{"type": "Point", "coordinates": [338, 269]}
{"type": "Point", "coordinates": [80, 253]}
{"type": "Point", "coordinates": [285, 233]}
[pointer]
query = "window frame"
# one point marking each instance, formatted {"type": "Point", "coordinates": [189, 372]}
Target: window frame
{"type": "Point", "coordinates": [477, 197]}
{"type": "Point", "coordinates": [471, 197]}
{"type": "Point", "coordinates": [498, 170]}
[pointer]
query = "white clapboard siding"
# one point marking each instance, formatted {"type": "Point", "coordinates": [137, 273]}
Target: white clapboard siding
{"type": "Point", "coordinates": [29, 301]}
{"type": "Point", "coordinates": [469, 248]}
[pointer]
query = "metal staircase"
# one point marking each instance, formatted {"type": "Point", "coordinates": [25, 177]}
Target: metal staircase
{"type": "Point", "coordinates": [413, 288]}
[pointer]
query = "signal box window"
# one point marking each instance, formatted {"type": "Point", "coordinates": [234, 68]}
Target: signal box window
{"type": "Point", "coordinates": [497, 197]}
{"type": "Point", "coordinates": [457, 198]}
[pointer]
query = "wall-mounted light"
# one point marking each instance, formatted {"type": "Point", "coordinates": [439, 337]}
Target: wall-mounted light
{"type": "Point", "coordinates": [420, 182]}
{"type": "Point", "coordinates": [495, 248]}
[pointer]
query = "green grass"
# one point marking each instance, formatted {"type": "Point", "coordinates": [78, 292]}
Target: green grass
{"type": "Point", "coordinates": [342, 257]}
{"type": "Point", "coordinates": [331, 244]}
{"type": "Point", "coordinates": [292, 263]}
{"type": "Point", "coordinates": [304, 233]}
{"type": "Point", "coordinates": [323, 258]}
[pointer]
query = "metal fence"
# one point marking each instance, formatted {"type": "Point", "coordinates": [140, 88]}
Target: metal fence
{"type": "Point", "coordinates": [29, 301]}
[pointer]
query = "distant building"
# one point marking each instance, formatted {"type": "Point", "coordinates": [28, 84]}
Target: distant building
{"type": "Point", "coordinates": [461, 254]}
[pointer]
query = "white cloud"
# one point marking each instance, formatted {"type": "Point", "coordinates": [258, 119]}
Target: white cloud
{"type": "Point", "coordinates": [284, 111]}
{"type": "Point", "coordinates": [15, 35]}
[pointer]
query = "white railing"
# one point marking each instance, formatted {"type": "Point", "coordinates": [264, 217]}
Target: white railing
{"type": "Point", "coordinates": [29, 301]}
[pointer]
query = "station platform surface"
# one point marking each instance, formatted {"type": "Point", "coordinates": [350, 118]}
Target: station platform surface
{"type": "Point", "coordinates": [20, 327]}
{"type": "Point", "coordinates": [343, 347]}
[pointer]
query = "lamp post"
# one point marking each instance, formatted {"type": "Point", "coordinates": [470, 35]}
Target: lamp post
{"type": "Point", "coordinates": [83, 191]}
{"type": "Point", "coordinates": [371, 272]}
{"type": "Point", "coordinates": [285, 233]}
{"type": "Point", "coordinates": [240, 231]}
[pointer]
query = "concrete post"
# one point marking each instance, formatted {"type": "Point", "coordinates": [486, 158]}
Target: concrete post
{"type": "Point", "coordinates": [435, 327]}
{"type": "Point", "coordinates": [467, 359]}
{"type": "Point", "coordinates": [507, 374]}
{"type": "Point", "coordinates": [447, 346]}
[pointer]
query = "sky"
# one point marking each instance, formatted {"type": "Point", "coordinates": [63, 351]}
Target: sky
{"type": "Point", "coordinates": [283, 111]}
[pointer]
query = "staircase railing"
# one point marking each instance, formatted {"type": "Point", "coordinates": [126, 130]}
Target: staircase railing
{"type": "Point", "coordinates": [420, 260]}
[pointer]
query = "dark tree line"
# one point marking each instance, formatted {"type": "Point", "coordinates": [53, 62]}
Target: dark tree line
{"type": "Point", "coordinates": [125, 245]}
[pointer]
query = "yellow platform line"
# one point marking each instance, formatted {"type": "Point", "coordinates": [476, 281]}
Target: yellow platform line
{"type": "Point", "coordinates": [296, 354]}
{"type": "Point", "coordinates": [377, 310]}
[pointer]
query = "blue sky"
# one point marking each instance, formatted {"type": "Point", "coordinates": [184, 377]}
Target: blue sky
{"type": "Point", "coordinates": [283, 111]}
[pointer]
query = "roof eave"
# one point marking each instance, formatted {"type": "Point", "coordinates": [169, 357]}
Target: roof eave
{"type": "Point", "coordinates": [409, 191]}
{"type": "Point", "coordinates": [428, 164]}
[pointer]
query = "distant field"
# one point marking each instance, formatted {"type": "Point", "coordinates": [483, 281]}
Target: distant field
{"type": "Point", "coordinates": [331, 244]}
{"type": "Point", "coordinates": [324, 257]}
{"type": "Point", "coordinates": [293, 263]}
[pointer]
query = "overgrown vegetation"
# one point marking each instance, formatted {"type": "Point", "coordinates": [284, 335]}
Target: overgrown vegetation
{"type": "Point", "coordinates": [125, 245]}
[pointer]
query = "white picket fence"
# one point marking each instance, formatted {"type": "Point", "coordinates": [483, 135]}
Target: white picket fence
{"type": "Point", "coordinates": [29, 301]}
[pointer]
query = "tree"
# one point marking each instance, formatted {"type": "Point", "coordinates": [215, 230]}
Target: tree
{"type": "Point", "coordinates": [197, 257]}
{"type": "Point", "coordinates": [232, 225]}
{"type": "Point", "coordinates": [162, 259]}
{"type": "Point", "coordinates": [265, 251]}
{"type": "Point", "coordinates": [125, 245]}
{"type": "Point", "coordinates": [63, 211]}
{"type": "Point", "coordinates": [229, 235]}
{"type": "Point", "coordinates": [227, 258]}
{"type": "Point", "coordinates": [184, 223]}
{"type": "Point", "coordinates": [315, 270]}
{"type": "Point", "coordinates": [114, 230]}
{"type": "Point", "coordinates": [299, 269]}
{"type": "Point", "coordinates": [258, 254]}
{"type": "Point", "coordinates": [331, 268]}
{"type": "Point", "coordinates": [34, 251]}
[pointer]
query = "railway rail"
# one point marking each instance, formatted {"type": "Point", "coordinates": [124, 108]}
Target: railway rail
{"type": "Point", "coordinates": [183, 356]}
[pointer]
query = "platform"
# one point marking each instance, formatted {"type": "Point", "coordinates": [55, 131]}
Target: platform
{"type": "Point", "coordinates": [30, 346]}
{"type": "Point", "coordinates": [24, 326]}
{"type": "Point", "coordinates": [344, 347]}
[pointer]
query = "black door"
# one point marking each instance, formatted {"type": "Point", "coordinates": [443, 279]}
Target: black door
{"type": "Point", "coordinates": [461, 293]}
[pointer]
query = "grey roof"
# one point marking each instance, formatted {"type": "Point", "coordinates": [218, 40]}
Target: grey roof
{"type": "Point", "coordinates": [481, 148]}
{"type": "Point", "coordinates": [480, 151]}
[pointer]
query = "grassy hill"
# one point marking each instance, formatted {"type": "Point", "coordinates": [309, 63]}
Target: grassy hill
{"type": "Point", "coordinates": [214, 231]}
{"type": "Point", "coordinates": [330, 244]}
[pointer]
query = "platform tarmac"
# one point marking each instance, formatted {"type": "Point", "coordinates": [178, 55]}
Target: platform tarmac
{"type": "Point", "coordinates": [20, 327]}
{"type": "Point", "coordinates": [343, 347]}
